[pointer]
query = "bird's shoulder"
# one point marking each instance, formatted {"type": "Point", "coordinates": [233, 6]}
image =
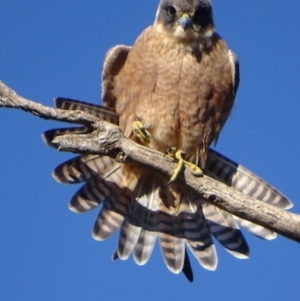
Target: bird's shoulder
{"type": "Point", "coordinates": [114, 61]}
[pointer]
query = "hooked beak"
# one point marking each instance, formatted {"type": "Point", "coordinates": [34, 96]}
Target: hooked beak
{"type": "Point", "coordinates": [185, 21]}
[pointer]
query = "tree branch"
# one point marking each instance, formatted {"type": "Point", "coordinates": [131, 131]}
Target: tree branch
{"type": "Point", "coordinates": [10, 99]}
{"type": "Point", "coordinates": [107, 139]}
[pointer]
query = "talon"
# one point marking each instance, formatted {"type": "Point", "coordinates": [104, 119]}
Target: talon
{"type": "Point", "coordinates": [140, 132]}
{"type": "Point", "coordinates": [179, 167]}
{"type": "Point", "coordinates": [179, 154]}
{"type": "Point", "coordinates": [170, 152]}
{"type": "Point", "coordinates": [197, 171]}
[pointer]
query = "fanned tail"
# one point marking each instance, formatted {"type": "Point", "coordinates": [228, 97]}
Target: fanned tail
{"type": "Point", "coordinates": [144, 208]}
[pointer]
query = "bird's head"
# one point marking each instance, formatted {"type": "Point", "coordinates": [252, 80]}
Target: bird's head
{"type": "Point", "coordinates": [185, 20]}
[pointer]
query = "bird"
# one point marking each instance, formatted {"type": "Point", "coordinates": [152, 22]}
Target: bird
{"type": "Point", "coordinates": [173, 89]}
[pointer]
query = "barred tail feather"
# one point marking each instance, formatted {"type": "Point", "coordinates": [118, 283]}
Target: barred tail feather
{"type": "Point", "coordinates": [144, 246]}
{"type": "Point", "coordinates": [131, 228]}
{"type": "Point", "coordinates": [187, 268]}
{"type": "Point", "coordinates": [85, 167]}
{"type": "Point", "coordinates": [255, 229]}
{"type": "Point", "coordinates": [93, 193]}
{"type": "Point", "coordinates": [48, 136]}
{"type": "Point", "coordinates": [115, 207]}
{"type": "Point", "coordinates": [103, 113]}
{"type": "Point", "coordinates": [171, 241]}
{"type": "Point", "coordinates": [173, 250]}
{"type": "Point", "coordinates": [242, 179]}
{"type": "Point", "coordinates": [198, 237]}
{"type": "Point", "coordinates": [226, 231]}
{"type": "Point", "coordinates": [206, 254]}
{"type": "Point", "coordinates": [110, 217]}
{"type": "Point", "coordinates": [129, 236]}
{"type": "Point", "coordinates": [146, 216]}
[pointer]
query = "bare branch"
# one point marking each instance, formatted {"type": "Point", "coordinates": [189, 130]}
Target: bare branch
{"type": "Point", "coordinates": [108, 139]}
{"type": "Point", "coordinates": [10, 99]}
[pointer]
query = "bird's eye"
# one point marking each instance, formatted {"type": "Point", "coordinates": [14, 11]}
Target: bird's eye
{"type": "Point", "coordinates": [201, 11]}
{"type": "Point", "coordinates": [203, 15]}
{"type": "Point", "coordinates": [171, 10]}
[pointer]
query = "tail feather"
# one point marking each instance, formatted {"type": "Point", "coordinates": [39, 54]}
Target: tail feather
{"type": "Point", "coordinates": [129, 236]}
{"type": "Point", "coordinates": [187, 268]}
{"type": "Point", "coordinates": [115, 207]}
{"type": "Point", "coordinates": [144, 246]}
{"type": "Point", "coordinates": [242, 179]}
{"type": "Point", "coordinates": [147, 212]}
{"type": "Point", "coordinates": [103, 113]}
{"type": "Point", "coordinates": [49, 135]}
{"type": "Point", "coordinates": [115, 255]}
{"type": "Point", "coordinates": [94, 192]}
{"type": "Point", "coordinates": [256, 229]}
{"type": "Point", "coordinates": [198, 237]}
{"type": "Point", "coordinates": [90, 195]}
{"type": "Point", "coordinates": [171, 241]}
{"type": "Point", "coordinates": [226, 231]}
{"type": "Point", "coordinates": [205, 253]}
{"type": "Point", "coordinates": [110, 217]}
{"type": "Point", "coordinates": [139, 231]}
{"type": "Point", "coordinates": [172, 249]}
{"type": "Point", "coordinates": [131, 228]}
{"type": "Point", "coordinates": [85, 167]}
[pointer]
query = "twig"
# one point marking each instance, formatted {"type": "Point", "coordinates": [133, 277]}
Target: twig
{"type": "Point", "coordinates": [10, 99]}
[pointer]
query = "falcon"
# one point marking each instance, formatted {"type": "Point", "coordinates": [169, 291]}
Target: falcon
{"type": "Point", "coordinates": [173, 89]}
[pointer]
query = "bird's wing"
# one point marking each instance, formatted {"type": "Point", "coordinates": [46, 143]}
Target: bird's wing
{"type": "Point", "coordinates": [235, 70]}
{"type": "Point", "coordinates": [113, 63]}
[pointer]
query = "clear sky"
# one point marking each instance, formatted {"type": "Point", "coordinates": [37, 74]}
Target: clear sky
{"type": "Point", "coordinates": [56, 48]}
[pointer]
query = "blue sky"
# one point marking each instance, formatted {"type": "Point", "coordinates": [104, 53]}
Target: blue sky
{"type": "Point", "coordinates": [56, 48]}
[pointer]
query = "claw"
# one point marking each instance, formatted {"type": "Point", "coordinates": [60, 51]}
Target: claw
{"type": "Point", "coordinates": [140, 132]}
{"type": "Point", "coordinates": [178, 154]}
{"type": "Point", "coordinates": [197, 171]}
{"type": "Point", "coordinates": [171, 152]}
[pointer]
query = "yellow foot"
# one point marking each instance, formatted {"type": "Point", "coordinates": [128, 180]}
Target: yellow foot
{"type": "Point", "coordinates": [140, 132]}
{"type": "Point", "coordinates": [179, 154]}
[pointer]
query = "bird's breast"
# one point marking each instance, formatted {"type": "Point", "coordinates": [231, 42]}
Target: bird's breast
{"type": "Point", "coordinates": [171, 92]}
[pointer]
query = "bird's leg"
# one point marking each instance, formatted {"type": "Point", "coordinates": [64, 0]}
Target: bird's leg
{"type": "Point", "coordinates": [179, 155]}
{"type": "Point", "coordinates": [140, 132]}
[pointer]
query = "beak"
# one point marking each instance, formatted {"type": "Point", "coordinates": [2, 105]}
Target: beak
{"type": "Point", "coordinates": [185, 21]}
